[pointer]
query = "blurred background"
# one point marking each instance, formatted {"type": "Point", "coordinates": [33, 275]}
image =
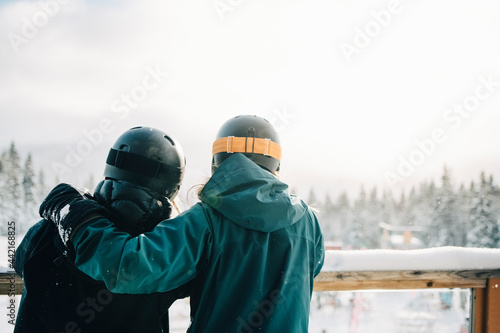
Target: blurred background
{"type": "Point", "coordinates": [366, 94]}
{"type": "Point", "coordinates": [388, 113]}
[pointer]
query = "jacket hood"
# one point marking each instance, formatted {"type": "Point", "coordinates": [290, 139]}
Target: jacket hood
{"type": "Point", "coordinates": [251, 197]}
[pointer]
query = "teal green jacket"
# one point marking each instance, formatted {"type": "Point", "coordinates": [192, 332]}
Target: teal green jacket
{"type": "Point", "coordinates": [250, 249]}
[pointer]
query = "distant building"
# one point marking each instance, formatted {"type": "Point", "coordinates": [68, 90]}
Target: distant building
{"type": "Point", "coordinates": [329, 245]}
{"type": "Point", "coordinates": [400, 237]}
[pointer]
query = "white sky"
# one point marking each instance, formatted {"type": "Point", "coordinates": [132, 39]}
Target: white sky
{"type": "Point", "coordinates": [64, 66]}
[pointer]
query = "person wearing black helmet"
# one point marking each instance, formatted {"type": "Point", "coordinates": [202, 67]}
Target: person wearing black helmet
{"type": "Point", "coordinates": [143, 173]}
{"type": "Point", "coordinates": [249, 249]}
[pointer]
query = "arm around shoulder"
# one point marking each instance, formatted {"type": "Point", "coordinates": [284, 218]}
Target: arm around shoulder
{"type": "Point", "coordinates": [156, 261]}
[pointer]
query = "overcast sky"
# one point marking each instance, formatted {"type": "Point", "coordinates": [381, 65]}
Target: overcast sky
{"type": "Point", "coordinates": [363, 93]}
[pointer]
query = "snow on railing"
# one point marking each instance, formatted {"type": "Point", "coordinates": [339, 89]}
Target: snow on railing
{"type": "Point", "coordinates": [439, 258]}
{"type": "Point", "coordinates": [442, 267]}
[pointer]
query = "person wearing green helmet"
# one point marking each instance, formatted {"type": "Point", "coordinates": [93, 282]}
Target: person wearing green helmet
{"type": "Point", "coordinates": [249, 249]}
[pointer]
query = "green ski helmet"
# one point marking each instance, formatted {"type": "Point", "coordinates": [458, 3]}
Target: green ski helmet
{"type": "Point", "coordinates": [251, 135]}
{"type": "Point", "coordinates": [148, 157]}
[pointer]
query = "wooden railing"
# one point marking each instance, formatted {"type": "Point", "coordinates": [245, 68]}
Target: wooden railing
{"type": "Point", "coordinates": [10, 283]}
{"type": "Point", "coordinates": [387, 280]}
{"type": "Point", "coordinates": [484, 283]}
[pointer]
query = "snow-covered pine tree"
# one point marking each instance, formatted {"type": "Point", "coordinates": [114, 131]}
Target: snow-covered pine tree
{"type": "Point", "coordinates": [364, 230]}
{"type": "Point", "coordinates": [353, 234]}
{"type": "Point", "coordinates": [342, 216]}
{"type": "Point", "coordinates": [494, 193]}
{"type": "Point", "coordinates": [423, 209]}
{"type": "Point", "coordinates": [444, 225]}
{"type": "Point", "coordinates": [312, 200]}
{"type": "Point", "coordinates": [399, 210]}
{"type": "Point", "coordinates": [90, 184]}
{"type": "Point", "coordinates": [408, 210]}
{"type": "Point", "coordinates": [30, 208]}
{"type": "Point", "coordinates": [41, 188]}
{"type": "Point", "coordinates": [484, 231]}
{"type": "Point", "coordinates": [374, 217]}
{"type": "Point", "coordinates": [28, 182]}
{"type": "Point", "coordinates": [388, 207]}
{"type": "Point", "coordinates": [464, 206]}
{"type": "Point", "coordinates": [327, 219]}
{"type": "Point", "coordinates": [10, 187]}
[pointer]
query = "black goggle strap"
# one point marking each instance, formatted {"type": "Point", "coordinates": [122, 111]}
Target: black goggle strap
{"type": "Point", "coordinates": [139, 164]}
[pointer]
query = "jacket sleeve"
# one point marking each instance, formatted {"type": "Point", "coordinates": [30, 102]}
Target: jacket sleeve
{"type": "Point", "coordinates": [156, 261]}
{"type": "Point", "coordinates": [319, 246]}
{"type": "Point", "coordinates": [320, 255]}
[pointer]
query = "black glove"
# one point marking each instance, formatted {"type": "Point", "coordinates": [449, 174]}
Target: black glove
{"type": "Point", "coordinates": [69, 209]}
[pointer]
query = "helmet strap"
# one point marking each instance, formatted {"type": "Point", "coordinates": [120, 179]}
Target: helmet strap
{"type": "Point", "coordinates": [232, 144]}
{"type": "Point", "coordinates": [136, 163]}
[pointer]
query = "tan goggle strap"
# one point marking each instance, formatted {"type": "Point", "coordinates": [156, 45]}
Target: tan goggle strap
{"type": "Point", "coordinates": [233, 144]}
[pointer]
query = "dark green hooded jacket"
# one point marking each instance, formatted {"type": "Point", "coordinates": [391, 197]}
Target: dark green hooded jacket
{"type": "Point", "coordinates": [250, 249]}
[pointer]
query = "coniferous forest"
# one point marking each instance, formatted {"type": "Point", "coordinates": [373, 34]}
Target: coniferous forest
{"type": "Point", "coordinates": [21, 190]}
{"type": "Point", "coordinates": [435, 213]}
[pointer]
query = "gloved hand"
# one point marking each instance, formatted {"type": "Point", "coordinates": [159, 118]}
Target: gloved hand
{"type": "Point", "coordinates": [69, 209]}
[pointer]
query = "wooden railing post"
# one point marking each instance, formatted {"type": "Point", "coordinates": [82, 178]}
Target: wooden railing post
{"type": "Point", "coordinates": [478, 310]}
{"type": "Point", "coordinates": [486, 308]}
{"type": "Point", "coordinates": [492, 306]}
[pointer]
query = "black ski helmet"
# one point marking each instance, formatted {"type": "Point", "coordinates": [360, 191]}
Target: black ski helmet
{"type": "Point", "coordinates": [148, 157]}
{"type": "Point", "coordinates": [251, 135]}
